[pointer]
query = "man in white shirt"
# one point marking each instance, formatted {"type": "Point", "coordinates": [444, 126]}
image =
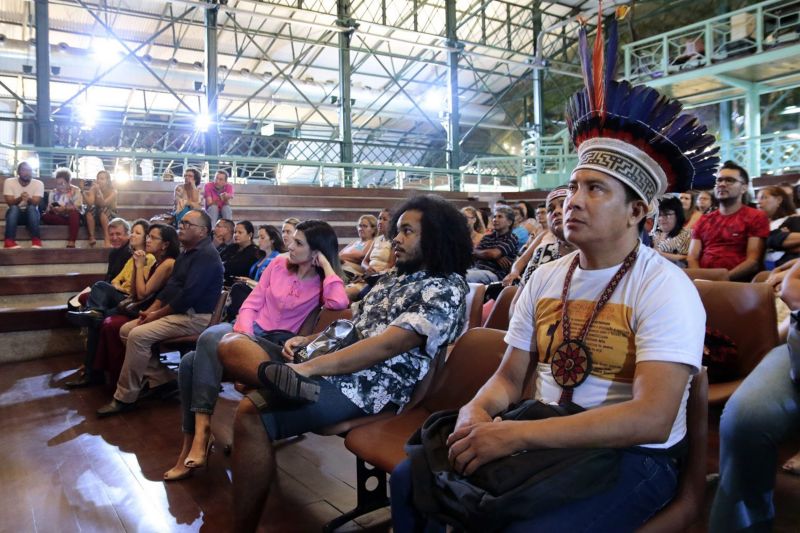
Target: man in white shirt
{"type": "Point", "coordinates": [611, 332]}
{"type": "Point", "coordinates": [22, 194]}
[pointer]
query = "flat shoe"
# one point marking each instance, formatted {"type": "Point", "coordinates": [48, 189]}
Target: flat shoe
{"type": "Point", "coordinates": [83, 381]}
{"type": "Point", "coordinates": [115, 407]}
{"type": "Point", "coordinates": [288, 384]}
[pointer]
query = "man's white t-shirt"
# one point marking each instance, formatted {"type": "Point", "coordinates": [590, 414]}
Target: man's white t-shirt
{"type": "Point", "coordinates": [655, 314]}
{"type": "Point", "coordinates": [13, 187]}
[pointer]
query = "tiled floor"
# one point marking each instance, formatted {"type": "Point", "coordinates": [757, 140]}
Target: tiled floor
{"type": "Point", "coordinates": [62, 469]}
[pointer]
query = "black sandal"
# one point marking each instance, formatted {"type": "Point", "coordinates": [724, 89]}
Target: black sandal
{"type": "Point", "coordinates": [288, 384]}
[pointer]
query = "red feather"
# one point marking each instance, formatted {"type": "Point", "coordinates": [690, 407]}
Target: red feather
{"type": "Point", "coordinates": [598, 62]}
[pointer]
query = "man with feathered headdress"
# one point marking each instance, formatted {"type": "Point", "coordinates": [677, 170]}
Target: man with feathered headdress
{"type": "Point", "coordinates": [612, 332]}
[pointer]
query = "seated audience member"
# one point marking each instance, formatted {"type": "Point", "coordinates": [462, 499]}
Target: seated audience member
{"type": "Point", "coordinates": [691, 214]}
{"type": "Point", "coordinates": [776, 204]}
{"type": "Point", "coordinates": [783, 243]}
{"type": "Point", "coordinates": [541, 216]}
{"type": "Point", "coordinates": [287, 229]}
{"type": "Point", "coordinates": [779, 208]}
{"type": "Point", "coordinates": [64, 205]}
{"type": "Point", "coordinates": [733, 236]}
{"type": "Point", "coordinates": [519, 229]}
{"type": "Point", "coordinates": [119, 237]}
{"type": "Point", "coordinates": [162, 243]}
{"type": "Point", "coordinates": [791, 191]}
{"type": "Point", "coordinates": [624, 378]}
{"type": "Point", "coordinates": [187, 194]}
{"type": "Point", "coordinates": [101, 207]}
{"type": "Point", "coordinates": [105, 296]}
{"type": "Point", "coordinates": [183, 307]}
{"type": "Point", "coordinates": [529, 221]}
{"type": "Point", "coordinates": [763, 411]}
{"type": "Point", "coordinates": [271, 245]}
{"type": "Point", "coordinates": [671, 237]}
{"type": "Point", "coordinates": [496, 251]}
{"type": "Point", "coordinates": [705, 202]}
{"type": "Point", "coordinates": [475, 224]}
{"type": "Point", "coordinates": [353, 254]}
{"type": "Point", "coordinates": [378, 257]}
{"type": "Point", "coordinates": [291, 288]}
{"type": "Point", "coordinates": [239, 256]}
{"type": "Point", "coordinates": [413, 312]}
{"type": "Point", "coordinates": [223, 234]}
{"type": "Point", "coordinates": [22, 194]}
{"type": "Point", "coordinates": [218, 196]}
{"type": "Point", "coordinates": [547, 252]}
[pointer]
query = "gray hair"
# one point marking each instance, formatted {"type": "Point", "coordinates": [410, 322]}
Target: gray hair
{"type": "Point", "coordinates": [120, 223]}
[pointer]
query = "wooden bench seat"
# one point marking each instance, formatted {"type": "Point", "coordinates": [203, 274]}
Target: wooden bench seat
{"type": "Point", "coordinates": [44, 284]}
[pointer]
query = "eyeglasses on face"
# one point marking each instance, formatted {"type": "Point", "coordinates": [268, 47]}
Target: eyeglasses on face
{"type": "Point", "coordinates": [724, 180]}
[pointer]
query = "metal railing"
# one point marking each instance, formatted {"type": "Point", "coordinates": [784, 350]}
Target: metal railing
{"type": "Point", "coordinates": [744, 31]}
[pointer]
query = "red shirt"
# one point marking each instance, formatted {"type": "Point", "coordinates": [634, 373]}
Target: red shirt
{"type": "Point", "coordinates": [724, 237]}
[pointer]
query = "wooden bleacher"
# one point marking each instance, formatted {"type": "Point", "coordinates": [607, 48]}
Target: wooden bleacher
{"type": "Point", "coordinates": [36, 284]}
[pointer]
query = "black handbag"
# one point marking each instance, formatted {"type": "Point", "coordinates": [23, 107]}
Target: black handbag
{"type": "Point", "coordinates": [339, 334]}
{"type": "Point", "coordinates": [508, 489]}
{"type": "Point", "coordinates": [131, 307]}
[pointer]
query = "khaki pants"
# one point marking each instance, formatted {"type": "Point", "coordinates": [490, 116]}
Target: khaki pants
{"type": "Point", "coordinates": [140, 363]}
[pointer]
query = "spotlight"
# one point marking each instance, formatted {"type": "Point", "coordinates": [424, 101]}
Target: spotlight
{"type": "Point", "coordinates": [202, 122]}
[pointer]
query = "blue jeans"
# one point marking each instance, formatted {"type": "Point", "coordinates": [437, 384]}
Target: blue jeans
{"type": "Point", "coordinates": [104, 297]}
{"type": "Point", "coordinates": [200, 373]}
{"type": "Point", "coordinates": [475, 275]}
{"type": "Point", "coordinates": [646, 484]}
{"type": "Point", "coordinates": [215, 212]}
{"type": "Point", "coordinates": [200, 376]}
{"type": "Point", "coordinates": [762, 411]}
{"type": "Point", "coordinates": [28, 217]}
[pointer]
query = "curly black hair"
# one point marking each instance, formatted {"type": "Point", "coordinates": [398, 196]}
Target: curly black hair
{"type": "Point", "coordinates": [446, 243]}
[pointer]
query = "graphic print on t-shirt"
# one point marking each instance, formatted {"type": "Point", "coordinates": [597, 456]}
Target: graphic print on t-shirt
{"type": "Point", "coordinates": [610, 338]}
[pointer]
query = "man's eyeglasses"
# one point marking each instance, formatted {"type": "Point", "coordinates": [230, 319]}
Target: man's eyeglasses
{"type": "Point", "coordinates": [722, 180]}
{"type": "Point", "coordinates": [186, 224]}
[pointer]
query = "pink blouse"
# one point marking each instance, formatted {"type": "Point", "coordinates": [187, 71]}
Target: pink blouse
{"type": "Point", "coordinates": [282, 301]}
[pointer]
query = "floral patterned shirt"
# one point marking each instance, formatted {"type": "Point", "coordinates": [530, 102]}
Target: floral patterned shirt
{"type": "Point", "coordinates": [432, 306]}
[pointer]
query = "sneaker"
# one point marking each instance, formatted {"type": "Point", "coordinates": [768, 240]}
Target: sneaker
{"type": "Point", "coordinates": [10, 244]}
{"type": "Point", "coordinates": [36, 243]}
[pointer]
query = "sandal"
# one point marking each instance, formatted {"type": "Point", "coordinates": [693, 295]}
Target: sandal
{"type": "Point", "coordinates": [288, 384]}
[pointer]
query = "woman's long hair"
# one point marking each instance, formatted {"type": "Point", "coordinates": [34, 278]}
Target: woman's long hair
{"type": "Point", "coordinates": [145, 224]}
{"type": "Point", "coordinates": [786, 207]}
{"type": "Point", "coordinates": [275, 237]}
{"type": "Point", "coordinates": [321, 238]}
{"type": "Point", "coordinates": [478, 226]}
{"type": "Point", "coordinates": [170, 237]}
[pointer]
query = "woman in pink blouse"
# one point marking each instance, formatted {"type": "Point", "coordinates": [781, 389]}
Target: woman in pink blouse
{"type": "Point", "coordinates": [292, 286]}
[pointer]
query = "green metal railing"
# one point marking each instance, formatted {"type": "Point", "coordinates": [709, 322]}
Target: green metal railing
{"type": "Point", "coordinates": [750, 30]}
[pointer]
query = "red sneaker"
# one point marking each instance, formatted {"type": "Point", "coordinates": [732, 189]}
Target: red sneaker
{"type": "Point", "coordinates": [10, 244]}
{"type": "Point", "coordinates": [36, 243]}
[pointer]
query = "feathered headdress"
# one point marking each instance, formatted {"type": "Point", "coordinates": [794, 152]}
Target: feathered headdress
{"type": "Point", "coordinates": [635, 134]}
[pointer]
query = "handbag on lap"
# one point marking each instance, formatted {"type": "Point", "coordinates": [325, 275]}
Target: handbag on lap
{"type": "Point", "coordinates": [339, 334]}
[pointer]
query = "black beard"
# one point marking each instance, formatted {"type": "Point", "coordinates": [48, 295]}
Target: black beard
{"type": "Point", "coordinates": [409, 266]}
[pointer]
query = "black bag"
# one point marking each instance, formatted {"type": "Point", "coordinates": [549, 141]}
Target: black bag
{"type": "Point", "coordinates": [131, 308]}
{"type": "Point", "coordinates": [508, 489]}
